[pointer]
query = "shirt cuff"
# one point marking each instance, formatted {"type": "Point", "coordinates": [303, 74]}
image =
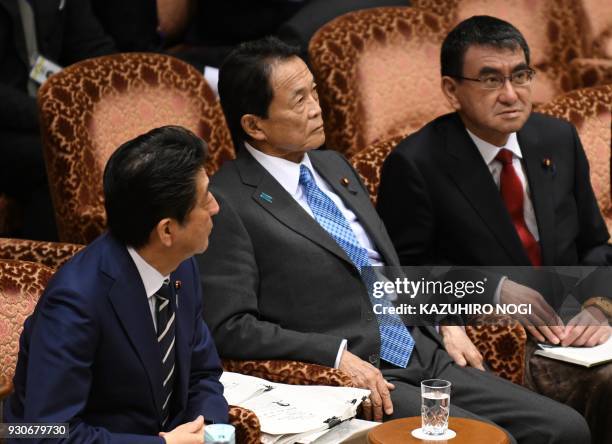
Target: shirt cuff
{"type": "Point", "coordinates": [497, 295]}
{"type": "Point", "coordinates": [339, 355]}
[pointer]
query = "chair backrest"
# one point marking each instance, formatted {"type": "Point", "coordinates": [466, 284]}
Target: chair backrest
{"type": "Point", "coordinates": [90, 108]}
{"type": "Point", "coordinates": [590, 110]}
{"type": "Point", "coordinates": [378, 74]}
{"type": "Point", "coordinates": [51, 254]}
{"type": "Point", "coordinates": [599, 24]}
{"type": "Point", "coordinates": [21, 284]}
{"type": "Point", "coordinates": [554, 30]}
{"type": "Point", "coordinates": [368, 162]}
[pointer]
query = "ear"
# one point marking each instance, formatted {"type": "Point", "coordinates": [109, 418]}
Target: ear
{"type": "Point", "coordinates": [449, 89]}
{"type": "Point", "coordinates": [164, 230]}
{"type": "Point", "coordinates": [251, 124]}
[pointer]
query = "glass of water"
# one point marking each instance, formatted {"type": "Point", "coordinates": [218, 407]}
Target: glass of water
{"type": "Point", "coordinates": [435, 403]}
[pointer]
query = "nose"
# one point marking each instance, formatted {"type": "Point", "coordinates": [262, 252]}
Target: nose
{"type": "Point", "coordinates": [508, 93]}
{"type": "Point", "coordinates": [214, 209]}
{"type": "Point", "coordinates": [315, 109]}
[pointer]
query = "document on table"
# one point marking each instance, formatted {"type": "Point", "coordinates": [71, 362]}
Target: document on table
{"type": "Point", "coordinates": [584, 356]}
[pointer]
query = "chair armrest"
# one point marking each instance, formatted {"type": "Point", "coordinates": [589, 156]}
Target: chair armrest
{"type": "Point", "coordinates": [290, 372]}
{"type": "Point", "coordinates": [246, 423]}
{"type": "Point", "coordinates": [6, 387]}
{"type": "Point", "coordinates": [501, 340]}
{"type": "Point", "coordinates": [51, 254]}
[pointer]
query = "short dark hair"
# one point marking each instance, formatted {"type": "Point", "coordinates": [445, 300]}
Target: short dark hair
{"type": "Point", "coordinates": [480, 30]}
{"type": "Point", "coordinates": [244, 81]}
{"type": "Point", "coordinates": [150, 178]}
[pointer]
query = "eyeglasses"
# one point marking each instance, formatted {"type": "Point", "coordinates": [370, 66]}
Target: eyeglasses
{"type": "Point", "coordinates": [496, 80]}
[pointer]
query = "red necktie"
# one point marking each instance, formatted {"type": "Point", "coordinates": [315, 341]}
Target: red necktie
{"type": "Point", "coordinates": [512, 194]}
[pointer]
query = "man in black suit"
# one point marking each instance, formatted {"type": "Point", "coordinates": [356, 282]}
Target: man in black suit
{"type": "Point", "coordinates": [494, 184]}
{"type": "Point", "coordinates": [65, 31]}
{"type": "Point", "coordinates": [283, 277]}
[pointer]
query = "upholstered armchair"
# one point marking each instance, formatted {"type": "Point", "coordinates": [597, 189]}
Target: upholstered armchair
{"type": "Point", "coordinates": [500, 339]}
{"type": "Point", "coordinates": [377, 72]}
{"type": "Point", "coordinates": [590, 110]}
{"type": "Point", "coordinates": [566, 37]}
{"type": "Point", "coordinates": [90, 108]}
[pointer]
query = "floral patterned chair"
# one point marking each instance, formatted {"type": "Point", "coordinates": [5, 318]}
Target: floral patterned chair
{"type": "Point", "coordinates": [90, 108]}
{"type": "Point", "coordinates": [378, 74]}
{"type": "Point", "coordinates": [51, 254]}
{"type": "Point", "coordinates": [590, 110]}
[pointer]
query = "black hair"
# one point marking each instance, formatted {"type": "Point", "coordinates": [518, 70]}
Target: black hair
{"type": "Point", "coordinates": [149, 178]}
{"type": "Point", "coordinates": [244, 81]}
{"type": "Point", "coordinates": [480, 30]}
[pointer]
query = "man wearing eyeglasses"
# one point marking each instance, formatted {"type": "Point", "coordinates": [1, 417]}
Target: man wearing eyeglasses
{"type": "Point", "coordinates": [494, 184]}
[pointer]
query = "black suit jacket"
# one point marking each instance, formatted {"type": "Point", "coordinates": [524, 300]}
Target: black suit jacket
{"type": "Point", "coordinates": [441, 205]}
{"type": "Point", "coordinates": [275, 284]}
{"type": "Point", "coordinates": [64, 35]}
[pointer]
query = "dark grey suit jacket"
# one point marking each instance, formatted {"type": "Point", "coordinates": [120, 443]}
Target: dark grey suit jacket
{"type": "Point", "coordinates": [275, 284]}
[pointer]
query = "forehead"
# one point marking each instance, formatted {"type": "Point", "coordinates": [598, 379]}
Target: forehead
{"type": "Point", "coordinates": [478, 57]}
{"type": "Point", "coordinates": [288, 76]}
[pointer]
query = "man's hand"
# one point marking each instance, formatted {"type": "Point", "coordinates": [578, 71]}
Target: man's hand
{"type": "Point", "coordinates": [188, 433]}
{"type": "Point", "coordinates": [543, 323]}
{"type": "Point", "coordinates": [588, 328]}
{"type": "Point", "coordinates": [365, 375]}
{"type": "Point", "coordinates": [459, 346]}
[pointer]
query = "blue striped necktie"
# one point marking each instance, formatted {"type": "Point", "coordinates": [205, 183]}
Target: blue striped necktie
{"type": "Point", "coordinates": [396, 341]}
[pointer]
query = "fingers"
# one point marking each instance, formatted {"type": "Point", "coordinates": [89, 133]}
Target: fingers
{"type": "Point", "coordinates": [605, 336]}
{"type": "Point", "coordinates": [475, 359]}
{"type": "Point", "coordinates": [548, 334]}
{"type": "Point", "coordinates": [457, 357]}
{"type": "Point", "coordinates": [367, 410]}
{"type": "Point", "coordinates": [383, 390]}
{"type": "Point", "coordinates": [196, 424]}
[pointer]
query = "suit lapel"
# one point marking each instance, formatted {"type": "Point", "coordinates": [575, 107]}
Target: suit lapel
{"type": "Point", "coordinates": [129, 301]}
{"type": "Point", "coordinates": [541, 188]}
{"type": "Point", "coordinates": [470, 173]}
{"type": "Point", "coordinates": [366, 214]}
{"type": "Point", "coordinates": [272, 197]}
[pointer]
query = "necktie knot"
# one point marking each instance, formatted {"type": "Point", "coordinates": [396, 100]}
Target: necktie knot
{"type": "Point", "coordinates": [306, 178]}
{"type": "Point", "coordinates": [504, 156]}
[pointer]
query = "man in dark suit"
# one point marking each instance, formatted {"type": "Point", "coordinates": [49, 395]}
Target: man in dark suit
{"type": "Point", "coordinates": [64, 32]}
{"type": "Point", "coordinates": [494, 184]}
{"type": "Point", "coordinates": [116, 346]}
{"type": "Point", "coordinates": [286, 268]}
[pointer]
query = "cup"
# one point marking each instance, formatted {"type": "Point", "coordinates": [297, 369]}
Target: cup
{"type": "Point", "coordinates": [435, 403]}
{"type": "Point", "coordinates": [219, 434]}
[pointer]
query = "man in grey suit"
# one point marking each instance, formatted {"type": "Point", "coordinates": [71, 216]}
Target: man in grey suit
{"type": "Point", "coordinates": [283, 277]}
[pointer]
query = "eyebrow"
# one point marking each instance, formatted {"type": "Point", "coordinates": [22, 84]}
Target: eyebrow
{"type": "Point", "coordinates": [490, 70]}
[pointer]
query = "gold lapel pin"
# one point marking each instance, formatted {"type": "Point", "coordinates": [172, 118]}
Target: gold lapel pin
{"type": "Point", "coordinates": [177, 285]}
{"type": "Point", "coordinates": [344, 182]}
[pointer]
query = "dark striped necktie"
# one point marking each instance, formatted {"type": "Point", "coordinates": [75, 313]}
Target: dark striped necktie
{"type": "Point", "coordinates": [164, 309]}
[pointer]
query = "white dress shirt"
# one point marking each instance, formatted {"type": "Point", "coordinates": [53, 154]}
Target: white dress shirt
{"type": "Point", "coordinates": [287, 173]}
{"type": "Point", "coordinates": [151, 279]}
{"type": "Point", "coordinates": [488, 153]}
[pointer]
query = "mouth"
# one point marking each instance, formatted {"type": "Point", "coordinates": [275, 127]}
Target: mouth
{"type": "Point", "coordinates": [318, 128]}
{"type": "Point", "coordinates": [511, 113]}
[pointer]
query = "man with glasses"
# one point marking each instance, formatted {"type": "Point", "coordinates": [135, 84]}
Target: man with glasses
{"type": "Point", "coordinates": [494, 184]}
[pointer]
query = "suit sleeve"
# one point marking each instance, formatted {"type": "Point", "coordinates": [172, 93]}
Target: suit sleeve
{"type": "Point", "coordinates": [405, 207]}
{"type": "Point", "coordinates": [205, 395]}
{"type": "Point", "coordinates": [592, 242]}
{"type": "Point", "coordinates": [230, 285]}
{"type": "Point", "coordinates": [59, 373]}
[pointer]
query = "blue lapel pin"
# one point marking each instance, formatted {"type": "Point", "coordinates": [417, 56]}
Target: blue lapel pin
{"type": "Point", "coordinates": [266, 197]}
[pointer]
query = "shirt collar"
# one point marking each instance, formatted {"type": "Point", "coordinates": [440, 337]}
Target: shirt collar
{"type": "Point", "coordinates": [151, 278]}
{"type": "Point", "coordinates": [285, 172]}
{"type": "Point", "coordinates": [488, 151]}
